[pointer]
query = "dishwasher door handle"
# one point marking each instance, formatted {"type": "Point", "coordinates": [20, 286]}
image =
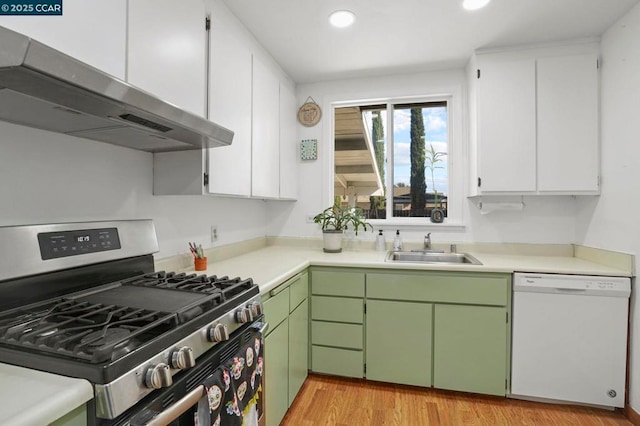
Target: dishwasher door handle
{"type": "Point", "coordinates": [570, 290]}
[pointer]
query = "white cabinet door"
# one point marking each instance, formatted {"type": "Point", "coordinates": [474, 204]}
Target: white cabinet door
{"type": "Point", "coordinates": [289, 144]}
{"type": "Point", "coordinates": [230, 106]}
{"type": "Point", "coordinates": [265, 153]}
{"type": "Point", "coordinates": [568, 124]}
{"type": "Point", "coordinates": [506, 125]}
{"type": "Point", "coordinates": [92, 31]}
{"type": "Point", "coordinates": [167, 51]}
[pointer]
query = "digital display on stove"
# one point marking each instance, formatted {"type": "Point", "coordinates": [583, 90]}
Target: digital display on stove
{"type": "Point", "coordinates": [54, 245]}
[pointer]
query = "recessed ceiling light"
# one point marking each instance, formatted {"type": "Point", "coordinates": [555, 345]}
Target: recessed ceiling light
{"type": "Point", "coordinates": [342, 18]}
{"type": "Point", "coordinates": [474, 4]}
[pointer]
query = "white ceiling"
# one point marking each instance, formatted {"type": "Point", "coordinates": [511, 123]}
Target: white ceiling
{"type": "Point", "coordinates": [411, 35]}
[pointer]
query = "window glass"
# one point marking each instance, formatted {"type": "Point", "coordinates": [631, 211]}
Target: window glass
{"type": "Point", "coordinates": [398, 174]}
{"type": "Point", "coordinates": [420, 169]}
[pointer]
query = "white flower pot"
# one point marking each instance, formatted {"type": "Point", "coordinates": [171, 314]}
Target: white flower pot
{"type": "Point", "coordinates": [332, 241]}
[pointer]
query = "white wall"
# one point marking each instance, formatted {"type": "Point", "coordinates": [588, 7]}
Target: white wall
{"type": "Point", "coordinates": [612, 220]}
{"type": "Point", "coordinates": [48, 177]}
{"type": "Point", "coordinates": [544, 220]}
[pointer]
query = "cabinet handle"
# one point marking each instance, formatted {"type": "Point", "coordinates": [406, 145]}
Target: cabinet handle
{"type": "Point", "coordinates": [278, 290]}
{"type": "Point", "coordinates": [282, 287]}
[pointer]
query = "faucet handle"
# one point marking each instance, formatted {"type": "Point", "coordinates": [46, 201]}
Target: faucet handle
{"type": "Point", "coordinates": [427, 241]}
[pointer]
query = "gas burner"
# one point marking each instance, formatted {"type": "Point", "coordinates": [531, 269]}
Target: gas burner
{"type": "Point", "coordinates": [47, 333]}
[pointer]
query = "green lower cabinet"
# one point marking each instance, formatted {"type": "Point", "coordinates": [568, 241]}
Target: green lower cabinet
{"type": "Point", "coordinates": [277, 373]}
{"type": "Point", "coordinates": [470, 348]}
{"type": "Point", "coordinates": [77, 417]}
{"type": "Point", "coordinates": [298, 348]}
{"type": "Point", "coordinates": [387, 324]}
{"type": "Point", "coordinates": [337, 361]}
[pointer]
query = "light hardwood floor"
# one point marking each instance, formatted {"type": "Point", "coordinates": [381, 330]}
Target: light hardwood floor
{"type": "Point", "coordinates": [327, 400]}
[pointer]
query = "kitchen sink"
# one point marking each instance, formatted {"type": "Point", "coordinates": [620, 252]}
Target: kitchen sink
{"type": "Point", "coordinates": [431, 257]}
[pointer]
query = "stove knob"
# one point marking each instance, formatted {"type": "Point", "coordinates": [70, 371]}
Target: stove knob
{"type": "Point", "coordinates": [158, 376]}
{"type": "Point", "coordinates": [183, 358]}
{"type": "Point", "coordinates": [244, 315]}
{"type": "Point", "coordinates": [256, 309]}
{"type": "Point", "coordinates": [218, 333]}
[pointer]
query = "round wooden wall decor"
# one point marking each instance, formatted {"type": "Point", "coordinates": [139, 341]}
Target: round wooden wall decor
{"type": "Point", "coordinates": [309, 113]}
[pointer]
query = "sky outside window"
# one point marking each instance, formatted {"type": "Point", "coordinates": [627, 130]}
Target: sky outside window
{"type": "Point", "coordinates": [436, 133]}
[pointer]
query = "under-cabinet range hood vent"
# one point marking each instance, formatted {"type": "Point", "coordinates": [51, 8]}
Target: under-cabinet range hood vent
{"type": "Point", "coordinates": [44, 88]}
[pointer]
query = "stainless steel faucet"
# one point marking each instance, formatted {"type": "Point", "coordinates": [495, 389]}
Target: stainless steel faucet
{"type": "Point", "coordinates": [427, 241]}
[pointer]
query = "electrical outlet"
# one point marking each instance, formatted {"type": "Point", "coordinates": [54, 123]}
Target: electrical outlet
{"type": "Point", "coordinates": [214, 233]}
{"type": "Point", "coordinates": [310, 218]}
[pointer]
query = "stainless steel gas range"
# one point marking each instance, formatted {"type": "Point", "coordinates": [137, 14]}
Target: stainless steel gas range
{"type": "Point", "coordinates": [83, 300]}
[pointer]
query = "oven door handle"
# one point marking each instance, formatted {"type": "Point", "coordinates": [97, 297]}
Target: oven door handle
{"type": "Point", "coordinates": [192, 398]}
{"type": "Point", "coordinates": [262, 327]}
{"type": "Point", "coordinates": [176, 410]}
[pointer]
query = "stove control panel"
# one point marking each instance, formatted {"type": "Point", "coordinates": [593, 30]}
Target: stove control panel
{"type": "Point", "coordinates": [72, 243]}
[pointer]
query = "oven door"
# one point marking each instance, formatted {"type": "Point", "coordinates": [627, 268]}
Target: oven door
{"type": "Point", "coordinates": [192, 408]}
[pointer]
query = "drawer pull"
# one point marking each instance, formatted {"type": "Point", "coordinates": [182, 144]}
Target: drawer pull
{"type": "Point", "coordinates": [278, 290]}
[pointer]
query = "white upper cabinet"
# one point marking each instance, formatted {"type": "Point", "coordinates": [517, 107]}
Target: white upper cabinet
{"type": "Point", "coordinates": [230, 105]}
{"type": "Point", "coordinates": [568, 148]}
{"type": "Point", "coordinates": [507, 125]}
{"type": "Point", "coordinates": [289, 144]}
{"type": "Point", "coordinates": [250, 95]}
{"type": "Point", "coordinates": [92, 31]}
{"type": "Point", "coordinates": [167, 51]}
{"type": "Point", "coordinates": [536, 121]}
{"type": "Point", "coordinates": [265, 146]}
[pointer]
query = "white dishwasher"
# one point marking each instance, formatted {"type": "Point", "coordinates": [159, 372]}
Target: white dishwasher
{"type": "Point", "coordinates": [569, 341]}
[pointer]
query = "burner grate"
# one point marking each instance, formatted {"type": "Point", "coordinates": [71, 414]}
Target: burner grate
{"type": "Point", "coordinates": [82, 330]}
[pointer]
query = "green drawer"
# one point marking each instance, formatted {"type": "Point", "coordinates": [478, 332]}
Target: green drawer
{"type": "Point", "coordinates": [337, 283]}
{"type": "Point", "coordinates": [338, 309]}
{"type": "Point", "coordinates": [276, 308]}
{"type": "Point", "coordinates": [466, 288]}
{"type": "Point", "coordinates": [337, 334]}
{"type": "Point", "coordinates": [298, 290]}
{"type": "Point", "coordinates": [340, 362]}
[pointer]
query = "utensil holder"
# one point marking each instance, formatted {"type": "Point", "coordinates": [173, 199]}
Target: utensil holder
{"type": "Point", "coordinates": [200, 263]}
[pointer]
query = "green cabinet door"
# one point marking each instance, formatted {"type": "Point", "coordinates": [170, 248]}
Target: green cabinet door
{"type": "Point", "coordinates": [298, 348]}
{"type": "Point", "coordinates": [398, 342]}
{"type": "Point", "coordinates": [277, 373]}
{"type": "Point", "coordinates": [77, 417]}
{"type": "Point", "coordinates": [470, 349]}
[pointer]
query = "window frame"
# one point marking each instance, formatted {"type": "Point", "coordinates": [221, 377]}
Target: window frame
{"type": "Point", "coordinates": [456, 161]}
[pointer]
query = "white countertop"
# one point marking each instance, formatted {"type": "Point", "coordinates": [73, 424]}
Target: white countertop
{"type": "Point", "coordinates": [272, 265]}
{"type": "Point", "coordinates": [31, 397]}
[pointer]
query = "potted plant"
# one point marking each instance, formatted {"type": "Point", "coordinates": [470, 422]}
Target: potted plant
{"type": "Point", "coordinates": [335, 220]}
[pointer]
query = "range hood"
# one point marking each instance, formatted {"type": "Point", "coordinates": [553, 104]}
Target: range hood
{"type": "Point", "coordinates": [44, 88]}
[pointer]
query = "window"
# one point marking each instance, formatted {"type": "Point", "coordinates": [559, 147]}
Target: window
{"type": "Point", "coordinates": [403, 173]}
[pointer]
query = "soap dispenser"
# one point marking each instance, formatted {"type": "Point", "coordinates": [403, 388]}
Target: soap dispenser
{"type": "Point", "coordinates": [381, 244]}
{"type": "Point", "coordinates": [397, 242]}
